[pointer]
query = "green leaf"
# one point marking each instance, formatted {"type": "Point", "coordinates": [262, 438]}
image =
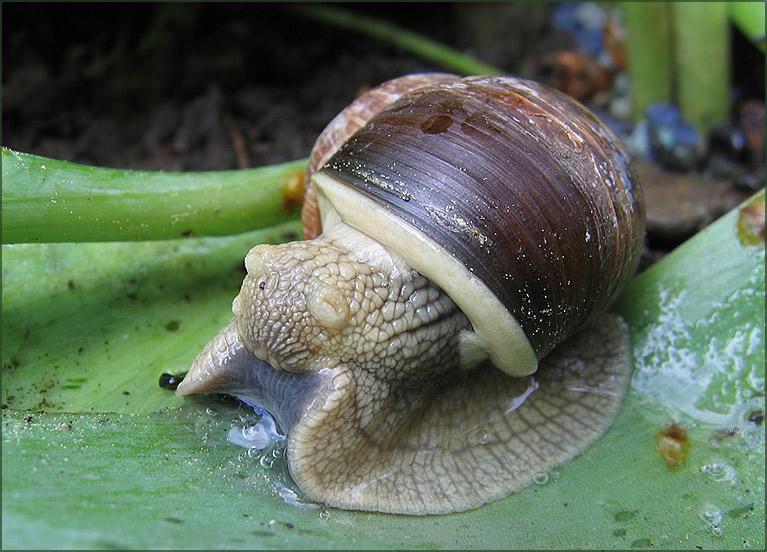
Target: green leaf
{"type": "Point", "coordinates": [86, 465]}
{"type": "Point", "coordinates": [749, 18]}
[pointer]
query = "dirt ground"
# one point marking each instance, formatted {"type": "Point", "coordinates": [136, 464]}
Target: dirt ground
{"type": "Point", "coordinates": [172, 87]}
{"type": "Point", "coordinates": [223, 86]}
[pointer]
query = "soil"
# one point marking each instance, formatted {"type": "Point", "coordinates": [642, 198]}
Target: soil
{"type": "Point", "coordinates": [176, 86]}
{"type": "Point", "coordinates": [223, 86]}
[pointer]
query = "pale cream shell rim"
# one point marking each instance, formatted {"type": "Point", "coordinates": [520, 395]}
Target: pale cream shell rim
{"type": "Point", "coordinates": [498, 331]}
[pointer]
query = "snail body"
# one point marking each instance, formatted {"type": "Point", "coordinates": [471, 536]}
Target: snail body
{"type": "Point", "coordinates": [441, 339]}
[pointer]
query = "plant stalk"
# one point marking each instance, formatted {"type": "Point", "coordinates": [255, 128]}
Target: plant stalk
{"type": "Point", "coordinates": [48, 200]}
{"type": "Point", "coordinates": [648, 53]}
{"type": "Point", "coordinates": [426, 49]}
{"type": "Point", "coordinates": [702, 62]}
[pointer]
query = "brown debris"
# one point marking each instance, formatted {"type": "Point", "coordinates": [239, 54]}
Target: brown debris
{"type": "Point", "coordinates": [673, 443]}
{"type": "Point", "coordinates": [578, 75]}
{"type": "Point", "coordinates": [681, 204]}
{"type": "Point", "coordinates": [751, 223]}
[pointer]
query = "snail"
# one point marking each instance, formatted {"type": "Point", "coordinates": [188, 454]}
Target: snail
{"type": "Point", "coordinates": [440, 340]}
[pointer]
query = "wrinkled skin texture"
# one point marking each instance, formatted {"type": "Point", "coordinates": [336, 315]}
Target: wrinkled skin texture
{"type": "Point", "coordinates": [310, 305]}
{"type": "Point", "coordinates": [371, 371]}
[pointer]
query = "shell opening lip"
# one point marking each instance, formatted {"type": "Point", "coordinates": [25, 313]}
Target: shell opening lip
{"type": "Point", "coordinates": [498, 331]}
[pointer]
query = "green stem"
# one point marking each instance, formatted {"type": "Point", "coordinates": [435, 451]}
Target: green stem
{"type": "Point", "coordinates": [648, 51]}
{"type": "Point", "coordinates": [47, 200]}
{"type": "Point", "coordinates": [702, 56]}
{"type": "Point", "coordinates": [427, 49]}
{"type": "Point", "coordinates": [679, 52]}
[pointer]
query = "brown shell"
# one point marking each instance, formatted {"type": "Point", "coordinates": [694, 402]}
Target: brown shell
{"type": "Point", "coordinates": [520, 183]}
{"type": "Point", "coordinates": [349, 121]}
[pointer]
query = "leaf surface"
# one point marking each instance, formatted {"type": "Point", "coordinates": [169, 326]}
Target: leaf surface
{"type": "Point", "coordinates": [96, 455]}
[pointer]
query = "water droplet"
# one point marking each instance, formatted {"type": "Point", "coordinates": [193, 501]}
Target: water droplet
{"type": "Point", "coordinates": [267, 461]}
{"type": "Point", "coordinates": [746, 544]}
{"type": "Point", "coordinates": [211, 411]}
{"type": "Point", "coordinates": [541, 478]}
{"type": "Point", "coordinates": [292, 498]}
{"type": "Point", "coordinates": [254, 452]}
{"type": "Point", "coordinates": [202, 427]}
{"type": "Point", "coordinates": [250, 431]}
{"type": "Point", "coordinates": [716, 531]}
{"type": "Point", "coordinates": [711, 514]}
{"type": "Point", "coordinates": [258, 434]}
{"type": "Point", "coordinates": [718, 470]}
{"type": "Point", "coordinates": [485, 438]}
{"type": "Point", "coordinates": [278, 452]}
{"type": "Point", "coordinates": [324, 514]}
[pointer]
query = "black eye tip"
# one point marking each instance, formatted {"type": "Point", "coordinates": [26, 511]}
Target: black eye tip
{"type": "Point", "coordinates": [170, 381]}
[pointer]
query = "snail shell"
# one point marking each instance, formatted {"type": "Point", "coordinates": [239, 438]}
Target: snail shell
{"type": "Point", "coordinates": [517, 187]}
{"type": "Point", "coordinates": [345, 124]}
{"type": "Point", "coordinates": [470, 219]}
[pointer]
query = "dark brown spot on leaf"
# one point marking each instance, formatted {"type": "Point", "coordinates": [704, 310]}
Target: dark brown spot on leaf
{"type": "Point", "coordinates": [673, 443]}
{"type": "Point", "coordinates": [725, 433]}
{"type": "Point", "coordinates": [751, 223]}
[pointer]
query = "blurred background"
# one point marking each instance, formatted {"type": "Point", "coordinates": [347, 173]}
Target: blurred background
{"type": "Point", "coordinates": [182, 87]}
